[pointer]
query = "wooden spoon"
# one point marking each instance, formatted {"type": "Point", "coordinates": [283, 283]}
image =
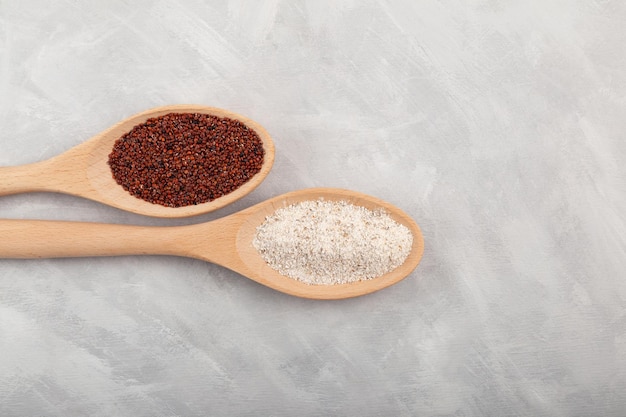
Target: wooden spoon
{"type": "Point", "coordinates": [84, 171]}
{"type": "Point", "coordinates": [226, 241]}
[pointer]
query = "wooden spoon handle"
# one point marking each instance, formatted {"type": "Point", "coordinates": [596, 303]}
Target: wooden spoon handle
{"type": "Point", "coordinates": [55, 239]}
{"type": "Point", "coordinates": [21, 179]}
{"type": "Point", "coordinates": [59, 174]}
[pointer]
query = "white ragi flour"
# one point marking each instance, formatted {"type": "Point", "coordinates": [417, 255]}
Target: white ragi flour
{"type": "Point", "coordinates": [332, 242]}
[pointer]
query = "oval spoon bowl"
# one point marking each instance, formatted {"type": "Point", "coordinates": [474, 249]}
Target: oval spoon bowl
{"type": "Point", "coordinates": [261, 272]}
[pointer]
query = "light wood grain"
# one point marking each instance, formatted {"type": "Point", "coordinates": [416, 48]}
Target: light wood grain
{"type": "Point", "coordinates": [83, 170]}
{"type": "Point", "coordinates": [226, 241]}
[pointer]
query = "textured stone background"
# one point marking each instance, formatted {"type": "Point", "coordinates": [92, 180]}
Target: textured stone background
{"type": "Point", "coordinates": [498, 125]}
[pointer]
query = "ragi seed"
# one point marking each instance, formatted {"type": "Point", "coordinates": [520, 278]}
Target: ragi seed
{"type": "Point", "coordinates": [183, 159]}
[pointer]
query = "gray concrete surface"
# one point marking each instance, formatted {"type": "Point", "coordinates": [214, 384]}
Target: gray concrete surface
{"type": "Point", "coordinates": [498, 125]}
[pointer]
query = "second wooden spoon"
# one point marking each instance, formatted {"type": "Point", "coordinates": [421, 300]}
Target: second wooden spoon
{"type": "Point", "coordinates": [226, 241]}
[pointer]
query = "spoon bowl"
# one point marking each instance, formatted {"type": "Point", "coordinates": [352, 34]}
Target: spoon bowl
{"type": "Point", "coordinates": [260, 271]}
{"type": "Point", "coordinates": [84, 171]}
{"type": "Point", "coordinates": [226, 242]}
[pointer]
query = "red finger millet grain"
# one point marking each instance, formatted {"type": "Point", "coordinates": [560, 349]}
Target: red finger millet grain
{"type": "Point", "coordinates": [182, 159]}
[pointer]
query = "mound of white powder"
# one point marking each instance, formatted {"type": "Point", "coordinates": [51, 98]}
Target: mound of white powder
{"type": "Point", "coordinates": [332, 242]}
